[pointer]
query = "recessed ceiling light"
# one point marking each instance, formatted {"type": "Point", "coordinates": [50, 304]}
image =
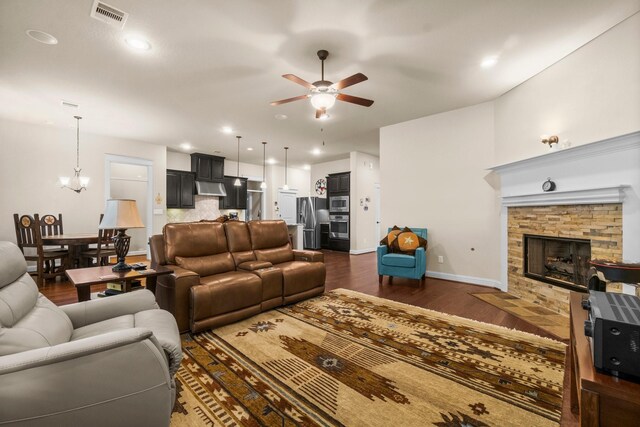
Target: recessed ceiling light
{"type": "Point", "coordinates": [227, 129]}
{"type": "Point", "coordinates": [281, 116]}
{"type": "Point", "coordinates": [249, 148]}
{"type": "Point", "coordinates": [272, 161]}
{"type": "Point", "coordinates": [306, 167]}
{"type": "Point", "coordinates": [138, 43]}
{"type": "Point", "coordinates": [185, 146]}
{"type": "Point", "coordinates": [316, 151]}
{"type": "Point", "coordinates": [42, 37]}
{"type": "Point", "coordinates": [489, 61]}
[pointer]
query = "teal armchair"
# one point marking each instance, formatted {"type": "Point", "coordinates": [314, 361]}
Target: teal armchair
{"type": "Point", "coordinates": [401, 265]}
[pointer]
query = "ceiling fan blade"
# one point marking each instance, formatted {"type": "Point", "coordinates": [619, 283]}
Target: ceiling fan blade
{"type": "Point", "coordinates": [350, 81]}
{"type": "Point", "coordinates": [284, 101]}
{"type": "Point", "coordinates": [355, 100]}
{"type": "Point", "coordinates": [298, 80]}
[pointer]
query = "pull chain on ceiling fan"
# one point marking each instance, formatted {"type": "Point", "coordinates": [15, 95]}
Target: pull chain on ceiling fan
{"type": "Point", "coordinates": [323, 93]}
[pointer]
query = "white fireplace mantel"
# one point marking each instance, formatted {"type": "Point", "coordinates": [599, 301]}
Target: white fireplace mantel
{"type": "Point", "coordinates": [575, 197]}
{"type": "Point", "coordinates": [601, 172]}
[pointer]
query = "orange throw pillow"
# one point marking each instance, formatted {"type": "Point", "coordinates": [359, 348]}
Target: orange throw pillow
{"type": "Point", "coordinates": [389, 238]}
{"type": "Point", "coordinates": [407, 242]}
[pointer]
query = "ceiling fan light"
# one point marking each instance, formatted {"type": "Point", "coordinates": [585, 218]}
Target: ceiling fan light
{"type": "Point", "coordinates": [237, 182]}
{"type": "Point", "coordinates": [323, 101]}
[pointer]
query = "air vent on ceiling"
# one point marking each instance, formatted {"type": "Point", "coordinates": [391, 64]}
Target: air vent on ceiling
{"type": "Point", "coordinates": [68, 104]}
{"type": "Point", "coordinates": [109, 14]}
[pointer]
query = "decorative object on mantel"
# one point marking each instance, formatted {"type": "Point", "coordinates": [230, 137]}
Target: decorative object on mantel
{"type": "Point", "coordinates": [121, 214]}
{"type": "Point", "coordinates": [321, 186]}
{"type": "Point", "coordinates": [76, 183]}
{"type": "Point", "coordinates": [237, 182]}
{"type": "Point", "coordinates": [548, 185]}
{"type": "Point", "coordinates": [285, 187]}
{"type": "Point", "coordinates": [263, 184]}
{"type": "Point", "coordinates": [553, 139]}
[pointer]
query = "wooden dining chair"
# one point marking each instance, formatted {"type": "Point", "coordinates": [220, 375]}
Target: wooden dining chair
{"type": "Point", "coordinates": [29, 235]}
{"type": "Point", "coordinates": [104, 249]}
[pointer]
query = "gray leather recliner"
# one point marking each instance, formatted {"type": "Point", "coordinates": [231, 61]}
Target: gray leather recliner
{"type": "Point", "coordinates": [107, 362]}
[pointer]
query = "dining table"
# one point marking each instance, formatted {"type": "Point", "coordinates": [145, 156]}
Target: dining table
{"type": "Point", "coordinates": [76, 242]}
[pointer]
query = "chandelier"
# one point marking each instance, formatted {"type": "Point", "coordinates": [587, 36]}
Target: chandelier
{"type": "Point", "coordinates": [76, 183]}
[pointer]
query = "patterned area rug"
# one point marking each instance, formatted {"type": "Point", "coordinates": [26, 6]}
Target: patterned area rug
{"type": "Point", "coordinates": [349, 359]}
{"type": "Point", "coordinates": [547, 320]}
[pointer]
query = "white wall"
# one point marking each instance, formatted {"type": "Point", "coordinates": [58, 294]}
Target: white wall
{"type": "Point", "coordinates": [433, 169]}
{"type": "Point", "coordinates": [590, 95]}
{"type": "Point", "coordinates": [432, 175]}
{"type": "Point", "coordinates": [321, 170]}
{"type": "Point", "coordinates": [365, 174]}
{"type": "Point", "coordinates": [34, 156]}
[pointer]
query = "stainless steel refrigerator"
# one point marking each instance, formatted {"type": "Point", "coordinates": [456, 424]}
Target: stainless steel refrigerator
{"type": "Point", "coordinates": [312, 211]}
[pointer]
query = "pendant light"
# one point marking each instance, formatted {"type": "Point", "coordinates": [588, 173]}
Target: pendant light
{"type": "Point", "coordinates": [263, 185]}
{"type": "Point", "coordinates": [237, 182]}
{"type": "Point", "coordinates": [285, 187]}
{"type": "Point", "coordinates": [76, 183]}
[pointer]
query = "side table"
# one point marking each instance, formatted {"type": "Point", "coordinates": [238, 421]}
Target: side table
{"type": "Point", "coordinates": [83, 278]}
{"type": "Point", "coordinates": [599, 399]}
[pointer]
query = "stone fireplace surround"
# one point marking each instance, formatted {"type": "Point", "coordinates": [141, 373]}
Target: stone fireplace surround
{"type": "Point", "coordinates": [597, 197]}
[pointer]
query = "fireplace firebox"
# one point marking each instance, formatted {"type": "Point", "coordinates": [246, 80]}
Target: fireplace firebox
{"type": "Point", "coordinates": [558, 261]}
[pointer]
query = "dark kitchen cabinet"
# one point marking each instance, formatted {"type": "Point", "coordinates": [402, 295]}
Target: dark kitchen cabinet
{"type": "Point", "coordinates": [180, 189]}
{"type": "Point", "coordinates": [339, 182]}
{"type": "Point", "coordinates": [236, 197]}
{"type": "Point", "coordinates": [207, 167]}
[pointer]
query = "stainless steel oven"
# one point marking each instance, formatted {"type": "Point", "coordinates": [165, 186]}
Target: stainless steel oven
{"type": "Point", "coordinates": [339, 226]}
{"type": "Point", "coordinates": [339, 204]}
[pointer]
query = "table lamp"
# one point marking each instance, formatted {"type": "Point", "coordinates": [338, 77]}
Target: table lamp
{"type": "Point", "coordinates": [121, 214]}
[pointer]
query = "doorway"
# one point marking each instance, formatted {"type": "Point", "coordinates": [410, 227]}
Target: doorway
{"type": "Point", "coordinates": [378, 205]}
{"type": "Point", "coordinates": [132, 178]}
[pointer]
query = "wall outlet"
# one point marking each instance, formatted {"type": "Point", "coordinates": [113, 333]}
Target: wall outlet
{"type": "Point", "coordinates": [440, 259]}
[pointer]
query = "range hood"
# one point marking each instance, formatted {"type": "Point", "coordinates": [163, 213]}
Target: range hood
{"type": "Point", "coordinates": [205, 188]}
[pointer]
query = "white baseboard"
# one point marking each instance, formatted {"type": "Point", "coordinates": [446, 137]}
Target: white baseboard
{"type": "Point", "coordinates": [466, 279]}
{"type": "Point", "coordinates": [361, 251]}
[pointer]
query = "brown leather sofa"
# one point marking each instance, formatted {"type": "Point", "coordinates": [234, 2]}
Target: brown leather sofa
{"type": "Point", "coordinates": [226, 272]}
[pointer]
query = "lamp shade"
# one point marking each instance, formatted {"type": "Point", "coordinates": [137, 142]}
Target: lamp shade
{"type": "Point", "coordinates": [121, 214]}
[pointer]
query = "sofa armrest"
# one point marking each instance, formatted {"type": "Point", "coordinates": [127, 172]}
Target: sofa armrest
{"type": "Point", "coordinates": [88, 312]}
{"type": "Point", "coordinates": [173, 295]}
{"type": "Point", "coordinates": [121, 373]}
{"type": "Point", "coordinates": [381, 251]}
{"type": "Point", "coordinates": [421, 260]}
{"type": "Point", "coordinates": [310, 256]}
{"type": "Point", "coordinates": [254, 265]}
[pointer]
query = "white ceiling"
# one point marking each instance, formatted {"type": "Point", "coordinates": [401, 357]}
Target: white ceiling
{"type": "Point", "coordinates": [217, 63]}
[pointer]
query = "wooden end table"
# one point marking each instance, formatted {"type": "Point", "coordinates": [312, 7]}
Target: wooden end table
{"type": "Point", "coordinates": [599, 399]}
{"type": "Point", "coordinates": [83, 278]}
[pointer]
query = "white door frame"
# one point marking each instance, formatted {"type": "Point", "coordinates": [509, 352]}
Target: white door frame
{"type": "Point", "coordinates": [113, 158]}
{"type": "Point", "coordinates": [378, 211]}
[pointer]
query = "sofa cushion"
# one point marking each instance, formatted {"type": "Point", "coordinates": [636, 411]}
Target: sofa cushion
{"type": "Point", "coordinates": [13, 263]}
{"type": "Point", "coordinates": [44, 325]}
{"type": "Point", "coordinates": [116, 323]}
{"type": "Point", "coordinates": [275, 255]}
{"type": "Point", "coordinates": [193, 239]}
{"type": "Point", "coordinates": [301, 276]}
{"type": "Point", "coordinates": [207, 265]}
{"type": "Point", "coordinates": [268, 234]}
{"type": "Point", "coordinates": [223, 293]}
{"type": "Point", "coordinates": [399, 260]}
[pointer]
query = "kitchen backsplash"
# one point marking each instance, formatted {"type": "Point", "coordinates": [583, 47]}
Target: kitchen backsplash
{"type": "Point", "coordinates": [207, 207]}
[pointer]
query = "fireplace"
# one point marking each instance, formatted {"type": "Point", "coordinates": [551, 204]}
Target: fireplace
{"type": "Point", "coordinates": [559, 261]}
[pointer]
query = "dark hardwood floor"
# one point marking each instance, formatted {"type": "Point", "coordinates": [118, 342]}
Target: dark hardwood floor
{"type": "Point", "coordinates": [359, 273]}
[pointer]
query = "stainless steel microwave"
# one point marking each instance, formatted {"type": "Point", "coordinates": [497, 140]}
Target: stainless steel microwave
{"type": "Point", "coordinates": [339, 204]}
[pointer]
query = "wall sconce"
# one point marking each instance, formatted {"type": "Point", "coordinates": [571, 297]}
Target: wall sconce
{"type": "Point", "coordinates": [553, 139]}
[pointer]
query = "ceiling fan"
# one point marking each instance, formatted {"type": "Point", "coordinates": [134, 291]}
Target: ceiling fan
{"type": "Point", "coordinates": [323, 93]}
